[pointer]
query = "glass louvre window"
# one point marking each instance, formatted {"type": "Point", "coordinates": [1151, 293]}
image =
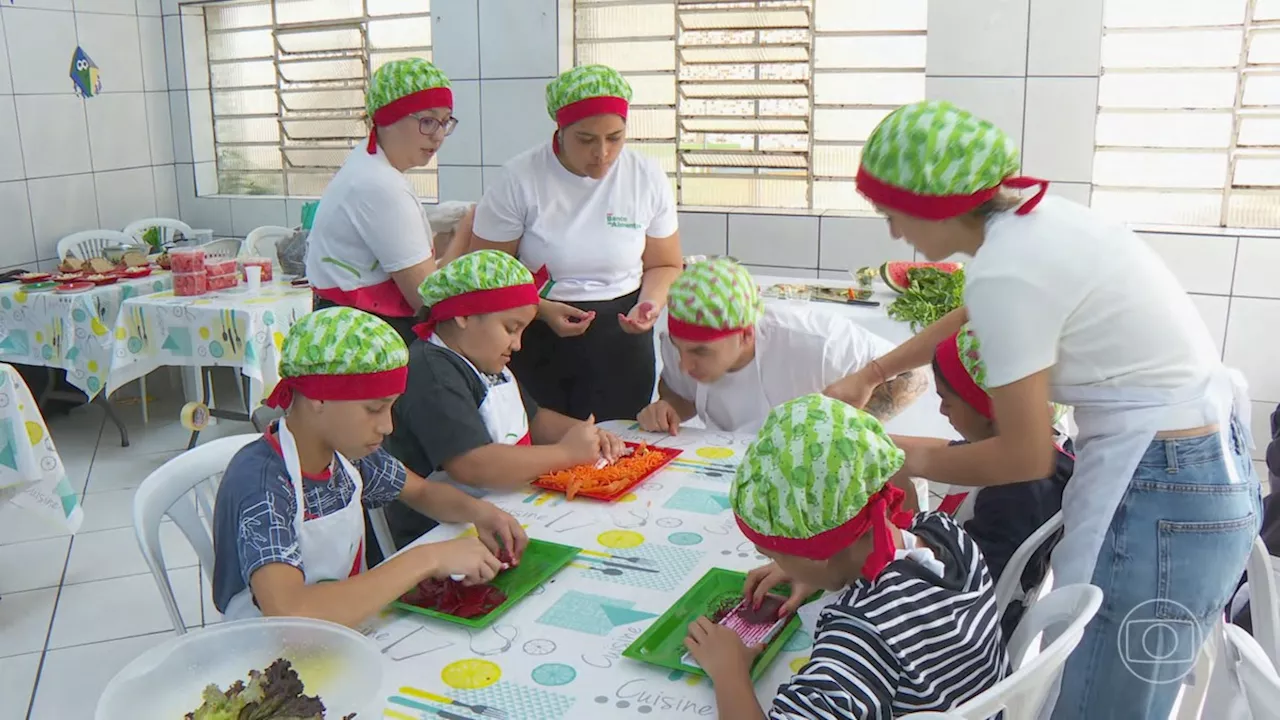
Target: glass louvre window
{"type": "Point", "coordinates": [1188, 126]}
{"type": "Point", "coordinates": [758, 104]}
{"type": "Point", "coordinates": [288, 79]}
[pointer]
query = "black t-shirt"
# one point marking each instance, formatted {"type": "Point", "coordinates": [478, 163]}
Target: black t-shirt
{"type": "Point", "coordinates": [438, 416]}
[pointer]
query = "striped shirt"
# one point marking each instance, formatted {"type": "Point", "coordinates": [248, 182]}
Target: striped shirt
{"type": "Point", "coordinates": [907, 642]}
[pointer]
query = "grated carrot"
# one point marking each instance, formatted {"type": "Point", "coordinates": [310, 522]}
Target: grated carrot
{"type": "Point", "coordinates": [586, 478]}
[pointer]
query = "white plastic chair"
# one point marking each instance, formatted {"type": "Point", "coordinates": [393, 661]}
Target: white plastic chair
{"type": "Point", "coordinates": [93, 243]}
{"type": "Point", "coordinates": [223, 249]}
{"type": "Point", "coordinates": [1009, 588]}
{"type": "Point", "coordinates": [168, 227]}
{"type": "Point", "coordinates": [1264, 600]}
{"type": "Point", "coordinates": [262, 242]}
{"type": "Point", "coordinates": [1253, 672]}
{"type": "Point", "coordinates": [183, 489]}
{"type": "Point", "coordinates": [1023, 691]}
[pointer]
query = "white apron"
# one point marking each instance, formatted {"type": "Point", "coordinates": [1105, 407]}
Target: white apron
{"type": "Point", "coordinates": [332, 546]}
{"type": "Point", "coordinates": [747, 410]}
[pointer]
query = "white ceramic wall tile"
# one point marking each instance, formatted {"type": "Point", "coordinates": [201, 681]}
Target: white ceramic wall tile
{"type": "Point", "coordinates": [513, 118]}
{"type": "Point", "coordinates": [200, 108]}
{"type": "Point", "coordinates": [6, 80]}
{"type": "Point", "coordinates": [48, 4]}
{"type": "Point", "coordinates": [17, 245]}
{"type": "Point", "coordinates": [293, 211]}
{"type": "Point", "coordinates": [33, 565]}
{"type": "Point", "coordinates": [978, 38]}
{"type": "Point", "coordinates": [849, 243]}
{"type": "Point", "coordinates": [491, 175]}
{"type": "Point", "coordinates": [115, 7]}
{"type": "Point", "coordinates": [1075, 192]}
{"type": "Point", "coordinates": [55, 138]}
{"type": "Point", "coordinates": [149, 8]}
{"type": "Point", "coordinates": [1213, 309]}
{"type": "Point", "coordinates": [518, 40]}
{"type": "Point", "coordinates": [1260, 424]}
{"type": "Point", "coordinates": [17, 680]}
{"type": "Point", "coordinates": [463, 146]}
{"type": "Point", "coordinates": [43, 41]}
{"type": "Point", "coordinates": [159, 128]}
{"type": "Point", "coordinates": [777, 271]}
{"type": "Point", "coordinates": [704, 233]}
{"type": "Point", "coordinates": [10, 143]}
{"type": "Point", "coordinates": [455, 38]}
{"type": "Point", "coordinates": [1252, 345]}
{"type": "Point", "coordinates": [999, 100]}
{"type": "Point", "coordinates": [459, 182]}
{"type": "Point", "coordinates": [112, 42]}
{"type": "Point", "coordinates": [166, 185]}
{"type": "Point", "coordinates": [1202, 263]}
{"type": "Point", "coordinates": [208, 212]}
{"type": "Point", "coordinates": [180, 122]}
{"type": "Point", "coordinates": [121, 607]}
{"type": "Point", "coordinates": [24, 621]}
{"type": "Point", "coordinates": [174, 62]}
{"type": "Point", "coordinates": [74, 678]}
{"type": "Point", "coordinates": [151, 43]}
{"type": "Point", "coordinates": [1065, 37]}
{"type": "Point", "coordinates": [1058, 140]}
{"type": "Point", "coordinates": [125, 196]}
{"type": "Point", "coordinates": [782, 240]}
{"type": "Point", "coordinates": [118, 131]}
{"type": "Point", "coordinates": [1256, 263]}
{"type": "Point", "coordinates": [249, 214]}
{"type": "Point", "coordinates": [195, 51]}
{"type": "Point", "coordinates": [61, 206]}
{"type": "Point", "coordinates": [206, 178]}
{"type": "Point", "coordinates": [169, 7]}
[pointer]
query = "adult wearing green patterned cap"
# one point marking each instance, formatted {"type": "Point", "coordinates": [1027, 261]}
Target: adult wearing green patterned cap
{"type": "Point", "coordinates": [729, 358]}
{"type": "Point", "coordinates": [602, 220]}
{"type": "Point", "coordinates": [1074, 308]}
{"type": "Point", "coordinates": [910, 604]}
{"type": "Point", "coordinates": [496, 436]}
{"type": "Point", "coordinates": [289, 519]}
{"type": "Point", "coordinates": [370, 245]}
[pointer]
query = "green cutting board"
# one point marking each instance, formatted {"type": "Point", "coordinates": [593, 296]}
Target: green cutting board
{"type": "Point", "coordinates": [663, 643]}
{"type": "Point", "coordinates": [541, 560]}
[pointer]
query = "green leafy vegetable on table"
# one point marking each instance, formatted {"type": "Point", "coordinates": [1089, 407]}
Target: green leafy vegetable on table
{"type": "Point", "coordinates": [276, 694]}
{"type": "Point", "coordinates": [931, 295]}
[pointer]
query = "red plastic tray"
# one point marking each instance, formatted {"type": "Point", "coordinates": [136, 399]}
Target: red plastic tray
{"type": "Point", "coordinates": [671, 454]}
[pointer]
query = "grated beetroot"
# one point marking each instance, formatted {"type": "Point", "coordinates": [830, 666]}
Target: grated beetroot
{"type": "Point", "coordinates": [454, 598]}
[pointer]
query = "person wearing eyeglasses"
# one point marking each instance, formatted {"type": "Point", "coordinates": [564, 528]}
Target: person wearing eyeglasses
{"type": "Point", "coordinates": [601, 218]}
{"type": "Point", "coordinates": [371, 244]}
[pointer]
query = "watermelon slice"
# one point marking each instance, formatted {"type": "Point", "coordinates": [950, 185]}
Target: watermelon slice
{"type": "Point", "coordinates": [895, 275]}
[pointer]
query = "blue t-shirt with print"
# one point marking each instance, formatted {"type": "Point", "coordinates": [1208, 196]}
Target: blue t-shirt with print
{"type": "Point", "coordinates": [254, 512]}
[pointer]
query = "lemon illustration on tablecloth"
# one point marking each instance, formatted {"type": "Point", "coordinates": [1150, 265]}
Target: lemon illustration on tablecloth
{"type": "Point", "coordinates": [470, 674]}
{"type": "Point", "coordinates": [620, 539]}
{"type": "Point", "coordinates": [34, 432]}
{"type": "Point", "coordinates": [715, 453]}
{"type": "Point", "coordinates": [798, 664]}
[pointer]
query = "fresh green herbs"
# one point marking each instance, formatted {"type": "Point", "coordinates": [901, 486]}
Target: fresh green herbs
{"type": "Point", "coordinates": [272, 695]}
{"type": "Point", "coordinates": [931, 295]}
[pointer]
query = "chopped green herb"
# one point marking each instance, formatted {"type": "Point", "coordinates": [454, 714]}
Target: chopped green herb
{"type": "Point", "coordinates": [931, 295]}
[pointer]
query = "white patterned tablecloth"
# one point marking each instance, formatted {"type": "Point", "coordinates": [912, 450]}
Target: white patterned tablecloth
{"type": "Point", "coordinates": [32, 477]}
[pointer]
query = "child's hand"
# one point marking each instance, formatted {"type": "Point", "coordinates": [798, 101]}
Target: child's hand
{"type": "Point", "coordinates": [762, 580]}
{"type": "Point", "coordinates": [465, 556]}
{"type": "Point", "coordinates": [500, 532]}
{"type": "Point", "coordinates": [719, 651]}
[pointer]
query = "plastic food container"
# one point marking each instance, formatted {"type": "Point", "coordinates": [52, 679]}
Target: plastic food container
{"type": "Point", "coordinates": [220, 266]}
{"type": "Point", "coordinates": [340, 665]}
{"type": "Point", "coordinates": [186, 260]}
{"type": "Point", "coordinates": [224, 281]}
{"type": "Point", "coordinates": [187, 284]}
{"type": "Point", "coordinates": [264, 263]}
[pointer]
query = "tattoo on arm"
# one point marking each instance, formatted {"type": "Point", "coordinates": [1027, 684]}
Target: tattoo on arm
{"type": "Point", "coordinates": [892, 397]}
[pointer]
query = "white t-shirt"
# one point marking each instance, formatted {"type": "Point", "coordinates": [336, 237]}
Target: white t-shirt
{"type": "Point", "coordinates": [1063, 287]}
{"type": "Point", "coordinates": [798, 351]}
{"type": "Point", "coordinates": [589, 233]}
{"type": "Point", "coordinates": [369, 223]}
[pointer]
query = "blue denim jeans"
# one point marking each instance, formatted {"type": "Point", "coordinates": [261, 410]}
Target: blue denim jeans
{"type": "Point", "coordinates": [1172, 556]}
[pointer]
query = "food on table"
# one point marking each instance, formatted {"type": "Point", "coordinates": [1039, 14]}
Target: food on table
{"type": "Point", "coordinates": [865, 277]}
{"type": "Point", "coordinates": [187, 260]}
{"type": "Point", "coordinates": [133, 259]}
{"type": "Point", "coordinates": [766, 613]}
{"type": "Point", "coordinates": [722, 606]}
{"type": "Point", "coordinates": [604, 480]}
{"type": "Point", "coordinates": [66, 277]}
{"type": "Point", "coordinates": [189, 284]}
{"type": "Point", "coordinates": [453, 598]}
{"type": "Point", "coordinates": [99, 266]}
{"type": "Point", "coordinates": [101, 278]}
{"type": "Point", "coordinates": [264, 263]}
{"type": "Point", "coordinates": [33, 277]}
{"type": "Point", "coordinates": [932, 293]}
{"type": "Point", "coordinates": [71, 265]}
{"type": "Point", "coordinates": [223, 281]}
{"type": "Point", "coordinates": [74, 287]}
{"type": "Point", "coordinates": [136, 271]}
{"type": "Point", "coordinates": [220, 266]}
{"type": "Point", "coordinates": [276, 694]}
{"type": "Point", "coordinates": [164, 261]}
{"type": "Point", "coordinates": [897, 274]}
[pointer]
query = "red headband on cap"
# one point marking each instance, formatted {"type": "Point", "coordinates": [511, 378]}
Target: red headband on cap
{"type": "Point", "coordinates": [943, 207]}
{"type": "Point", "coordinates": [958, 377]}
{"type": "Point", "coordinates": [407, 105]}
{"type": "Point", "coordinates": [583, 109]}
{"type": "Point", "coordinates": [364, 386]}
{"type": "Point", "coordinates": [479, 302]}
{"type": "Point", "coordinates": [697, 333]}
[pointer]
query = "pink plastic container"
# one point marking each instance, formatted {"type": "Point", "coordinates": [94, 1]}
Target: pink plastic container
{"type": "Point", "coordinates": [264, 263]}
{"type": "Point", "coordinates": [224, 281]}
{"type": "Point", "coordinates": [220, 266]}
{"type": "Point", "coordinates": [186, 260]}
{"type": "Point", "coordinates": [188, 284]}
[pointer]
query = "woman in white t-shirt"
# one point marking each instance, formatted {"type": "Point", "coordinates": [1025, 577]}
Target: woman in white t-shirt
{"type": "Point", "coordinates": [371, 246]}
{"type": "Point", "coordinates": [601, 220]}
{"type": "Point", "coordinates": [1070, 307]}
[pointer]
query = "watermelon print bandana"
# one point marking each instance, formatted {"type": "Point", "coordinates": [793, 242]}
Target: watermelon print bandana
{"type": "Point", "coordinates": [816, 479]}
{"type": "Point", "coordinates": [403, 87]}
{"type": "Point", "coordinates": [934, 161]}
{"type": "Point", "coordinates": [340, 353]}
{"type": "Point", "coordinates": [587, 91]}
{"type": "Point", "coordinates": [712, 299]}
{"type": "Point", "coordinates": [959, 359]}
{"type": "Point", "coordinates": [481, 282]}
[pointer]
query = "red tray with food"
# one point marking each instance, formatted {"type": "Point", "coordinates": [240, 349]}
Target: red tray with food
{"type": "Point", "coordinates": [611, 482]}
{"type": "Point", "coordinates": [33, 277]}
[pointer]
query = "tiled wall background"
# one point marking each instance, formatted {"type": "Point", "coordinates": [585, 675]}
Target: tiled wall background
{"type": "Point", "coordinates": [1029, 65]}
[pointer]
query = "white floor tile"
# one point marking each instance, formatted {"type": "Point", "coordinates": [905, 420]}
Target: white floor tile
{"type": "Point", "coordinates": [73, 678]}
{"type": "Point", "coordinates": [107, 510]}
{"type": "Point", "coordinates": [121, 607]}
{"type": "Point", "coordinates": [24, 621]}
{"type": "Point", "coordinates": [125, 472]}
{"type": "Point", "coordinates": [115, 553]}
{"type": "Point", "coordinates": [32, 565]}
{"type": "Point", "coordinates": [20, 526]}
{"type": "Point", "coordinates": [17, 680]}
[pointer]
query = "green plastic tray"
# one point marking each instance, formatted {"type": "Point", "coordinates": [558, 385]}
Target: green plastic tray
{"type": "Point", "coordinates": [663, 643]}
{"type": "Point", "coordinates": [540, 561]}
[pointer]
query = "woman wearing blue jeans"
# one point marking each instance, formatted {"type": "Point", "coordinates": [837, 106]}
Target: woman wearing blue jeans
{"type": "Point", "coordinates": [1072, 308]}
